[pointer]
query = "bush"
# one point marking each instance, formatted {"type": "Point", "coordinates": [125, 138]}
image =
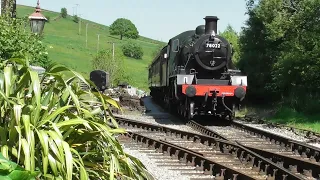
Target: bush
{"type": "Point", "coordinates": [132, 50]}
{"type": "Point", "coordinates": [75, 19]}
{"type": "Point", "coordinates": [116, 69]}
{"type": "Point", "coordinates": [48, 19]}
{"type": "Point", "coordinates": [64, 12]}
{"type": "Point", "coordinates": [16, 42]}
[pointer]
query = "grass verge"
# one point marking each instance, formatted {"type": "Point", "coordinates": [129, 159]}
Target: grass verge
{"type": "Point", "coordinates": [283, 115]}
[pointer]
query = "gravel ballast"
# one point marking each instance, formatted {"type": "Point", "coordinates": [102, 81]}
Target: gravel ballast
{"type": "Point", "coordinates": [279, 131]}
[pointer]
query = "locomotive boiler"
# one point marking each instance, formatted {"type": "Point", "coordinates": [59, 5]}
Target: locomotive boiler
{"type": "Point", "coordinates": [194, 74]}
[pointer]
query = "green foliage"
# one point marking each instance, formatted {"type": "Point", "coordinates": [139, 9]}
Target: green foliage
{"type": "Point", "coordinates": [132, 50]}
{"type": "Point", "coordinates": [48, 19]}
{"type": "Point", "coordinates": [124, 28]}
{"type": "Point", "coordinates": [116, 69]}
{"type": "Point", "coordinates": [75, 19]}
{"type": "Point", "coordinates": [49, 125]}
{"type": "Point", "coordinates": [64, 12]}
{"type": "Point", "coordinates": [11, 171]}
{"type": "Point", "coordinates": [280, 52]}
{"type": "Point", "coordinates": [15, 41]}
{"type": "Point", "coordinates": [231, 35]}
{"type": "Point", "coordinates": [156, 51]}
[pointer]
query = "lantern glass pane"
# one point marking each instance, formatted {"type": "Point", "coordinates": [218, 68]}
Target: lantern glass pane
{"type": "Point", "coordinates": [37, 25]}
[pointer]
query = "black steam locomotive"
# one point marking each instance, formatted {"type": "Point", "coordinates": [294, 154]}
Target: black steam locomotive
{"type": "Point", "coordinates": [194, 74]}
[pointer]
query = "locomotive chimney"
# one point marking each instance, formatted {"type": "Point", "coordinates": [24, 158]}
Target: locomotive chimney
{"type": "Point", "coordinates": [211, 24]}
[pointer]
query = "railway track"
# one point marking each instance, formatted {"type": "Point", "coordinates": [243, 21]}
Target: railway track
{"type": "Point", "coordinates": [298, 157]}
{"type": "Point", "coordinates": [222, 159]}
{"type": "Point", "coordinates": [313, 137]}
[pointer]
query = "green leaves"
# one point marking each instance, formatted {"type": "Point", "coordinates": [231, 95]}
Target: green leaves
{"type": "Point", "coordinates": [280, 51]}
{"type": "Point", "coordinates": [53, 127]}
{"type": "Point", "coordinates": [113, 65]}
{"type": "Point", "coordinates": [133, 50]}
{"type": "Point", "coordinates": [15, 41]}
{"type": "Point", "coordinates": [12, 171]}
{"type": "Point", "coordinates": [124, 28]}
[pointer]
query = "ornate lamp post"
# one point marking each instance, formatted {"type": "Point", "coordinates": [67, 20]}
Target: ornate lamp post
{"type": "Point", "coordinates": [37, 20]}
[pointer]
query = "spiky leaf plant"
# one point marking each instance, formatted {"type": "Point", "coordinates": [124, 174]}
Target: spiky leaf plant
{"type": "Point", "coordinates": [50, 125]}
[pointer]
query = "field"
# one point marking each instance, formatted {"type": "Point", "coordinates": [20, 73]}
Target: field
{"type": "Point", "coordinates": [67, 47]}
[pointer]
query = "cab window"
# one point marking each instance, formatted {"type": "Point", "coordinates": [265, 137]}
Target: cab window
{"type": "Point", "coordinates": [175, 45]}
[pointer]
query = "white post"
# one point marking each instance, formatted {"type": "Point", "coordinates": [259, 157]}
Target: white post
{"type": "Point", "coordinates": [86, 35]}
{"type": "Point", "coordinates": [77, 9]}
{"type": "Point", "coordinates": [0, 6]}
{"type": "Point", "coordinates": [112, 51]}
{"type": "Point", "coordinates": [98, 43]}
{"type": "Point", "coordinates": [80, 24]}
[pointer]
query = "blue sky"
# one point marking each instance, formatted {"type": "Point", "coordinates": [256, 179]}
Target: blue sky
{"type": "Point", "coordinates": [157, 19]}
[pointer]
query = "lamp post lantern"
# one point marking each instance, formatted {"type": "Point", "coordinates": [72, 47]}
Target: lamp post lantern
{"type": "Point", "coordinates": [37, 20]}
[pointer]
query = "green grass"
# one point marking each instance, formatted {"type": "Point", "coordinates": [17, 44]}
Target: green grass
{"type": "Point", "coordinates": [291, 117]}
{"type": "Point", "coordinates": [67, 47]}
{"type": "Point", "coordinates": [283, 115]}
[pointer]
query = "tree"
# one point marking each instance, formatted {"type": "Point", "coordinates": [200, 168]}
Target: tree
{"type": "Point", "coordinates": [231, 35]}
{"type": "Point", "coordinates": [116, 69]}
{"type": "Point", "coordinates": [280, 52]}
{"type": "Point", "coordinates": [15, 42]}
{"type": "Point", "coordinates": [132, 50]}
{"type": "Point", "coordinates": [9, 7]}
{"type": "Point", "coordinates": [124, 28]}
{"type": "Point", "coordinates": [64, 12]}
{"type": "Point", "coordinates": [75, 19]}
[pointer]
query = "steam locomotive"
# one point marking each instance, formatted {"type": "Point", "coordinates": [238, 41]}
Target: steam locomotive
{"type": "Point", "coordinates": [194, 74]}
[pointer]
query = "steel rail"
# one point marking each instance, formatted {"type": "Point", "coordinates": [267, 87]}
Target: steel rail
{"type": "Point", "coordinates": [246, 156]}
{"type": "Point", "coordinates": [308, 164]}
{"type": "Point", "coordinates": [312, 135]}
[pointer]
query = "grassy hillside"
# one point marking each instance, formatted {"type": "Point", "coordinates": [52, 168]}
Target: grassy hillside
{"type": "Point", "coordinates": [67, 47]}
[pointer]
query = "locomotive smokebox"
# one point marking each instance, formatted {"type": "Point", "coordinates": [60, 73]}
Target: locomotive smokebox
{"type": "Point", "coordinates": [211, 24]}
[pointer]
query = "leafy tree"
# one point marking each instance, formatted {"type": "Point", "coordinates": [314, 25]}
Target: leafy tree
{"type": "Point", "coordinates": [280, 52]}
{"type": "Point", "coordinates": [16, 42]}
{"type": "Point", "coordinates": [49, 125]}
{"type": "Point", "coordinates": [116, 69]}
{"type": "Point", "coordinates": [48, 19]}
{"type": "Point", "coordinates": [64, 12]}
{"type": "Point", "coordinates": [124, 28]}
{"type": "Point", "coordinates": [132, 50]}
{"type": "Point", "coordinates": [231, 35]}
{"type": "Point", "coordinates": [75, 19]}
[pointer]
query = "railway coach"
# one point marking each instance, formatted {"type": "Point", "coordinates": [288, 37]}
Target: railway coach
{"type": "Point", "coordinates": [194, 74]}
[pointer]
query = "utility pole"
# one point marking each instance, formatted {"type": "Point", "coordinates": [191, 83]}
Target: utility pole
{"type": "Point", "coordinates": [73, 10]}
{"type": "Point", "coordinates": [98, 43]}
{"type": "Point", "coordinates": [86, 35]}
{"type": "Point", "coordinates": [112, 49]}
{"type": "Point", "coordinates": [80, 24]}
{"type": "Point", "coordinates": [77, 9]}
